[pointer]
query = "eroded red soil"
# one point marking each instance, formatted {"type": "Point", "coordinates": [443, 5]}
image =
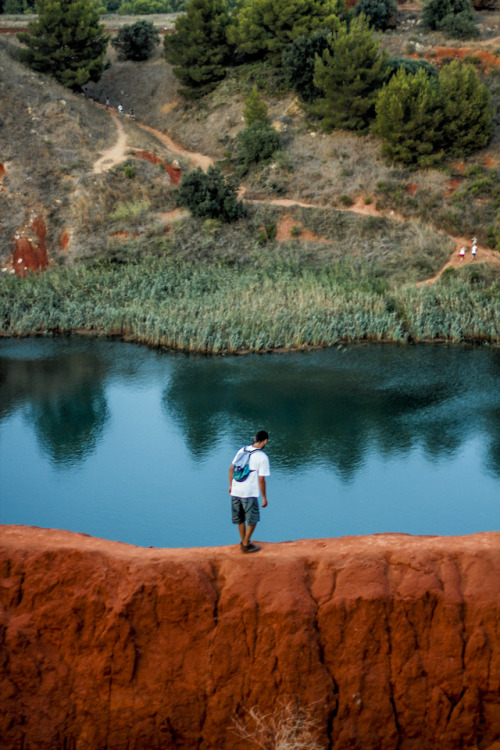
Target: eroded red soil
{"type": "Point", "coordinates": [30, 253]}
{"type": "Point", "coordinates": [173, 170]}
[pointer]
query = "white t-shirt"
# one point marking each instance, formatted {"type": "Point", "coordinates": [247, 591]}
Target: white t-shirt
{"type": "Point", "coordinates": [259, 467]}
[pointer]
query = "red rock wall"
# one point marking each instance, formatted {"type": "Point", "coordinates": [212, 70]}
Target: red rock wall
{"type": "Point", "coordinates": [392, 641]}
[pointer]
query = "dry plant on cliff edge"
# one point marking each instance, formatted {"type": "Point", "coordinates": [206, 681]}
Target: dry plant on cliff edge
{"type": "Point", "coordinates": [287, 728]}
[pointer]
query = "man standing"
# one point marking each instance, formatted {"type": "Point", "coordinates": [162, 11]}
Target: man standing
{"type": "Point", "coordinates": [247, 479]}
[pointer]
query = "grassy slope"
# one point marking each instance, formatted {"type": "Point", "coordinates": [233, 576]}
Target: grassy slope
{"type": "Point", "coordinates": [206, 286]}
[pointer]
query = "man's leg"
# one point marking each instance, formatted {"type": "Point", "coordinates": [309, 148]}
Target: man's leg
{"type": "Point", "coordinates": [243, 530]}
{"type": "Point", "coordinates": [246, 539]}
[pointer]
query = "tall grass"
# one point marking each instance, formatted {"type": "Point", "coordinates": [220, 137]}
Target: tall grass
{"type": "Point", "coordinates": [218, 308]}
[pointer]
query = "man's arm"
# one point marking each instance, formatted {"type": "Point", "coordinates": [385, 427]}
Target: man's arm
{"type": "Point", "coordinates": [262, 485]}
{"type": "Point", "coordinates": [230, 477]}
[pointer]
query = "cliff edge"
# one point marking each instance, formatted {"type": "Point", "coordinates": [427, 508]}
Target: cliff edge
{"type": "Point", "coordinates": [391, 641]}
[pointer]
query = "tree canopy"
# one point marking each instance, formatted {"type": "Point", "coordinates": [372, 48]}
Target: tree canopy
{"type": "Point", "coordinates": [467, 109]}
{"type": "Point", "coordinates": [421, 119]}
{"type": "Point", "coordinates": [350, 74]}
{"type": "Point", "coordinates": [409, 118]}
{"type": "Point", "coordinates": [454, 17]}
{"type": "Point", "coordinates": [66, 41]}
{"type": "Point", "coordinates": [298, 62]}
{"type": "Point", "coordinates": [265, 27]}
{"type": "Point", "coordinates": [136, 41]}
{"type": "Point", "coordinates": [199, 50]}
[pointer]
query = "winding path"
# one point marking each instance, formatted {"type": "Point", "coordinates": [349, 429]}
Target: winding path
{"type": "Point", "coordinates": [117, 153]}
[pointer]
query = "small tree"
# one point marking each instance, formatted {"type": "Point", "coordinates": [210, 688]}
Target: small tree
{"type": "Point", "coordinates": [467, 110]}
{"type": "Point", "coordinates": [66, 41]}
{"type": "Point", "coordinates": [255, 109]}
{"type": "Point", "coordinates": [136, 41]}
{"type": "Point", "coordinates": [380, 13]}
{"type": "Point", "coordinates": [257, 143]}
{"type": "Point", "coordinates": [409, 119]}
{"type": "Point", "coordinates": [298, 62]}
{"type": "Point", "coordinates": [265, 27]}
{"type": "Point", "coordinates": [210, 195]}
{"type": "Point", "coordinates": [199, 50]}
{"type": "Point", "coordinates": [350, 74]}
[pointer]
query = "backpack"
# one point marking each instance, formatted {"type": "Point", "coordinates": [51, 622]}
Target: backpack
{"type": "Point", "coordinates": [242, 468]}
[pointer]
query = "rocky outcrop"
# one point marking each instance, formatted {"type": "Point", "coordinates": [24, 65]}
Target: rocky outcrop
{"type": "Point", "coordinates": [390, 641]}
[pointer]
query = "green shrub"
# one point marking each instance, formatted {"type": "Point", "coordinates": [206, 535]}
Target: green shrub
{"type": "Point", "coordinates": [412, 66]}
{"type": "Point", "coordinates": [460, 26]}
{"type": "Point", "coordinates": [129, 172]}
{"type": "Point", "coordinates": [380, 13]}
{"type": "Point", "coordinates": [136, 41]}
{"type": "Point", "coordinates": [257, 143]}
{"type": "Point", "coordinates": [298, 63]}
{"type": "Point", "coordinates": [454, 17]}
{"type": "Point", "coordinates": [210, 195]}
{"type": "Point", "coordinates": [129, 211]}
{"type": "Point", "coordinates": [346, 200]}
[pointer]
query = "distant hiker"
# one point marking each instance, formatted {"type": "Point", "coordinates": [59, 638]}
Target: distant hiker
{"type": "Point", "coordinates": [107, 102]}
{"type": "Point", "coordinates": [247, 479]}
{"type": "Point", "coordinates": [132, 115]}
{"type": "Point", "coordinates": [462, 252]}
{"type": "Point", "coordinates": [474, 251]}
{"type": "Point", "coordinates": [86, 92]}
{"type": "Point", "coordinates": [120, 109]}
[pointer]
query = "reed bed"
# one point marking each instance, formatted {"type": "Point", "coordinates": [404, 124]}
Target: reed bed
{"type": "Point", "coordinates": [216, 308]}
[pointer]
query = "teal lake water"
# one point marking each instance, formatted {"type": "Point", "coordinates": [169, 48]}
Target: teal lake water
{"type": "Point", "coordinates": [125, 443]}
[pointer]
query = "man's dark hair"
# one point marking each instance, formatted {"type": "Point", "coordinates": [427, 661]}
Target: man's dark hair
{"type": "Point", "coordinates": [261, 435]}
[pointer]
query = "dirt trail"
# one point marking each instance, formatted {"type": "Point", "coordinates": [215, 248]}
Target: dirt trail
{"type": "Point", "coordinates": [117, 153]}
{"type": "Point", "coordinates": [198, 160]}
{"type": "Point", "coordinates": [484, 254]}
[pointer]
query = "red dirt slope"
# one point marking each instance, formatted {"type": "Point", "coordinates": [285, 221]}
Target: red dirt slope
{"type": "Point", "coordinates": [393, 640]}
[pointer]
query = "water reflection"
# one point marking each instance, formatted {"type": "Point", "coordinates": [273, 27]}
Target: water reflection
{"type": "Point", "coordinates": [122, 442]}
{"type": "Point", "coordinates": [335, 408]}
{"type": "Point", "coordinates": [62, 397]}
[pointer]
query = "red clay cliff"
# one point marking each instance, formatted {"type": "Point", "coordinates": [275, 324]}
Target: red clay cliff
{"type": "Point", "coordinates": [391, 641]}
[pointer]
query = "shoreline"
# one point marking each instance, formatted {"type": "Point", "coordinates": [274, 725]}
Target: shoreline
{"type": "Point", "coordinates": [128, 338]}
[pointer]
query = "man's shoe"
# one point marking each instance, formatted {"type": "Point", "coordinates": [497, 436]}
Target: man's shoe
{"type": "Point", "coordinates": [249, 547]}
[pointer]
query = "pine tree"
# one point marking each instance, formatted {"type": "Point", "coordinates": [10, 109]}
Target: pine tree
{"type": "Point", "coordinates": [409, 119]}
{"type": "Point", "coordinates": [467, 109]}
{"type": "Point", "coordinates": [66, 41]}
{"type": "Point", "coordinates": [136, 41]}
{"type": "Point", "coordinates": [265, 27]}
{"type": "Point", "coordinates": [255, 109]}
{"type": "Point", "coordinates": [199, 49]}
{"type": "Point", "coordinates": [350, 74]}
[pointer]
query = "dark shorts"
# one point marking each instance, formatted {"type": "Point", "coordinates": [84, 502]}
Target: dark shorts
{"type": "Point", "coordinates": [245, 510]}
